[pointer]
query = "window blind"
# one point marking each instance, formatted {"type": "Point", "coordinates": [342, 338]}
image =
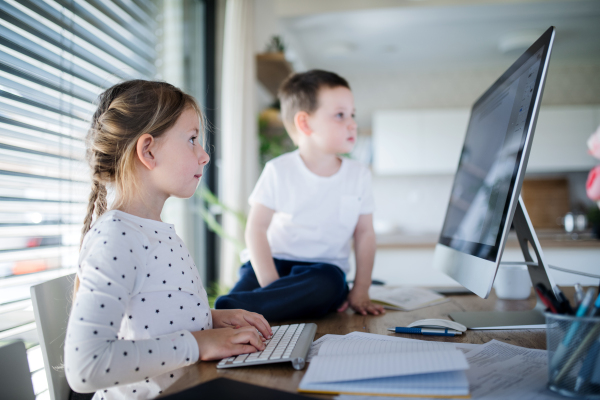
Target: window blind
{"type": "Point", "coordinates": [56, 57]}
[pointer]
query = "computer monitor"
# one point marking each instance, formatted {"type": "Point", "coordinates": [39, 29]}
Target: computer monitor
{"type": "Point", "coordinates": [485, 198]}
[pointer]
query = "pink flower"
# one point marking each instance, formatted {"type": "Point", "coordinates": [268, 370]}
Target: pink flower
{"type": "Point", "coordinates": [593, 143]}
{"type": "Point", "coordinates": [592, 185]}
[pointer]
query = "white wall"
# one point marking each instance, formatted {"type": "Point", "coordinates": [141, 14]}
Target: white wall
{"type": "Point", "coordinates": [429, 141]}
{"type": "Point", "coordinates": [413, 267]}
{"type": "Point", "coordinates": [566, 85]}
{"type": "Point", "coordinates": [417, 203]}
{"type": "Point", "coordinates": [411, 204]}
{"type": "Point", "coordinates": [266, 25]}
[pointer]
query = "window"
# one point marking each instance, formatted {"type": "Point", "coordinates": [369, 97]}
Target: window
{"type": "Point", "coordinates": [56, 57]}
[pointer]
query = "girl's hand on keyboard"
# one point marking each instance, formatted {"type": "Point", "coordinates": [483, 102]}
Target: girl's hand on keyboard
{"type": "Point", "coordinates": [233, 318]}
{"type": "Point", "coordinates": [215, 344]}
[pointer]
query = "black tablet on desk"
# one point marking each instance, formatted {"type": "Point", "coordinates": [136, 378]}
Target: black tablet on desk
{"type": "Point", "coordinates": [229, 389]}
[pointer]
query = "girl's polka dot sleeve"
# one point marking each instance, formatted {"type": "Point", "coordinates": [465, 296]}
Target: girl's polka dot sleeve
{"type": "Point", "coordinates": [112, 269]}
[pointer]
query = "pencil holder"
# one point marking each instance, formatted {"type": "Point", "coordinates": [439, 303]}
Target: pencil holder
{"type": "Point", "coordinates": [573, 355]}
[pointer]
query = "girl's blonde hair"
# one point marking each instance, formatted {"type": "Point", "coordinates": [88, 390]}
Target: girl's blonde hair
{"type": "Point", "coordinates": [125, 112]}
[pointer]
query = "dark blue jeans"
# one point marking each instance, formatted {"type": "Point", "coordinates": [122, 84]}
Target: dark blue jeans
{"type": "Point", "coordinates": [303, 290]}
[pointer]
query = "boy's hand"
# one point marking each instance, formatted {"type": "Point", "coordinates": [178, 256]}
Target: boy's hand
{"type": "Point", "coordinates": [361, 303]}
{"type": "Point", "coordinates": [215, 344]}
{"type": "Point", "coordinates": [239, 318]}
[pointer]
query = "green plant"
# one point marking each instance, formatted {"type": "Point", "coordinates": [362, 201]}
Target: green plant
{"type": "Point", "coordinates": [272, 144]}
{"type": "Point", "coordinates": [214, 291]}
{"type": "Point", "coordinates": [273, 138]}
{"type": "Point", "coordinates": [593, 216]}
{"type": "Point", "coordinates": [210, 201]}
{"type": "Point", "coordinates": [275, 45]}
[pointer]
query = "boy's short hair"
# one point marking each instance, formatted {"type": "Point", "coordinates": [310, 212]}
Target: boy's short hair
{"type": "Point", "coordinates": [299, 92]}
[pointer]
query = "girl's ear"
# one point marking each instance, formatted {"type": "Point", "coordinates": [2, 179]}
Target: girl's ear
{"type": "Point", "coordinates": [301, 122]}
{"type": "Point", "coordinates": [145, 147]}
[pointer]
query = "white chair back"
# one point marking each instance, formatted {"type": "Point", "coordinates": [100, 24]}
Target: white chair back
{"type": "Point", "coordinates": [52, 305]}
{"type": "Point", "coordinates": [15, 378]}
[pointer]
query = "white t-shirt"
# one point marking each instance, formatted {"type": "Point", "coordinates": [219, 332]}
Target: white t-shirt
{"type": "Point", "coordinates": [315, 216]}
{"type": "Point", "coordinates": [139, 298]}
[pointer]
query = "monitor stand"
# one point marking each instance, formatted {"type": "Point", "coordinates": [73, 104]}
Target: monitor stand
{"type": "Point", "coordinates": [538, 271]}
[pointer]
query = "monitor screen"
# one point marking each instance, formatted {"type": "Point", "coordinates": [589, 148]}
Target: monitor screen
{"type": "Point", "coordinates": [490, 159]}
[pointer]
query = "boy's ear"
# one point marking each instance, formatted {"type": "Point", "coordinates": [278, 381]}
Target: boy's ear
{"type": "Point", "coordinates": [145, 147]}
{"type": "Point", "coordinates": [301, 123]}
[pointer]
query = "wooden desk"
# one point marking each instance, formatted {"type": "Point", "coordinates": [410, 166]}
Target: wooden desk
{"type": "Point", "coordinates": [284, 377]}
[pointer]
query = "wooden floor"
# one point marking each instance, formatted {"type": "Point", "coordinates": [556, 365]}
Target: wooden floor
{"type": "Point", "coordinates": [284, 377]}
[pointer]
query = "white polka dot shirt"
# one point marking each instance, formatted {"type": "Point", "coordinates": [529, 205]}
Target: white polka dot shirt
{"type": "Point", "coordinates": [139, 299]}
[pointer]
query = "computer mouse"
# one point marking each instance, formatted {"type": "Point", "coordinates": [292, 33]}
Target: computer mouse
{"type": "Point", "coordinates": [438, 323]}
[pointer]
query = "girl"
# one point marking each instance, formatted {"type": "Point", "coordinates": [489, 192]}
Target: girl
{"type": "Point", "coordinates": [140, 310]}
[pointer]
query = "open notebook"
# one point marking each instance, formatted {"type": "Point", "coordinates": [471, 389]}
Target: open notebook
{"type": "Point", "coordinates": [372, 367]}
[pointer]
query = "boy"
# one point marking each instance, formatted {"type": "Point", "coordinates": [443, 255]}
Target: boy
{"type": "Point", "coordinates": [305, 208]}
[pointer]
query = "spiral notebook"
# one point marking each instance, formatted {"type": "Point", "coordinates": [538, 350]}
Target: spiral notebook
{"type": "Point", "coordinates": [369, 367]}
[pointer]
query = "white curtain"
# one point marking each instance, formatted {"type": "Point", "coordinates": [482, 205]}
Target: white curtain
{"type": "Point", "coordinates": [239, 141]}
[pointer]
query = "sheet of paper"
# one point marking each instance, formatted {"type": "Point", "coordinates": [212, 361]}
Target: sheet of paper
{"type": "Point", "coordinates": [368, 366]}
{"type": "Point", "coordinates": [316, 345]}
{"type": "Point", "coordinates": [405, 298]}
{"type": "Point", "coordinates": [501, 371]}
{"type": "Point", "coordinates": [464, 347]}
{"type": "Point", "coordinates": [360, 346]}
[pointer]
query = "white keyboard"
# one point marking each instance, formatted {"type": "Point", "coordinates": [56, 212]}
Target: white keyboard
{"type": "Point", "coordinates": [289, 343]}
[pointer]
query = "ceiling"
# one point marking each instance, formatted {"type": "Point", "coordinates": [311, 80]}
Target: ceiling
{"type": "Point", "coordinates": [434, 35]}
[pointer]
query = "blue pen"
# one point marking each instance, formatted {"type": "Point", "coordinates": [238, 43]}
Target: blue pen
{"type": "Point", "coordinates": [581, 312]}
{"type": "Point", "coordinates": [596, 309]}
{"type": "Point", "coordinates": [561, 350]}
{"type": "Point", "coordinates": [587, 369]}
{"type": "Point", "coordinates": [426, 331]}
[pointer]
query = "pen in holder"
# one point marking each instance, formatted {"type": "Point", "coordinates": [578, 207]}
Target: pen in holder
{"type": "Point", "coordinates": [573, 355]}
